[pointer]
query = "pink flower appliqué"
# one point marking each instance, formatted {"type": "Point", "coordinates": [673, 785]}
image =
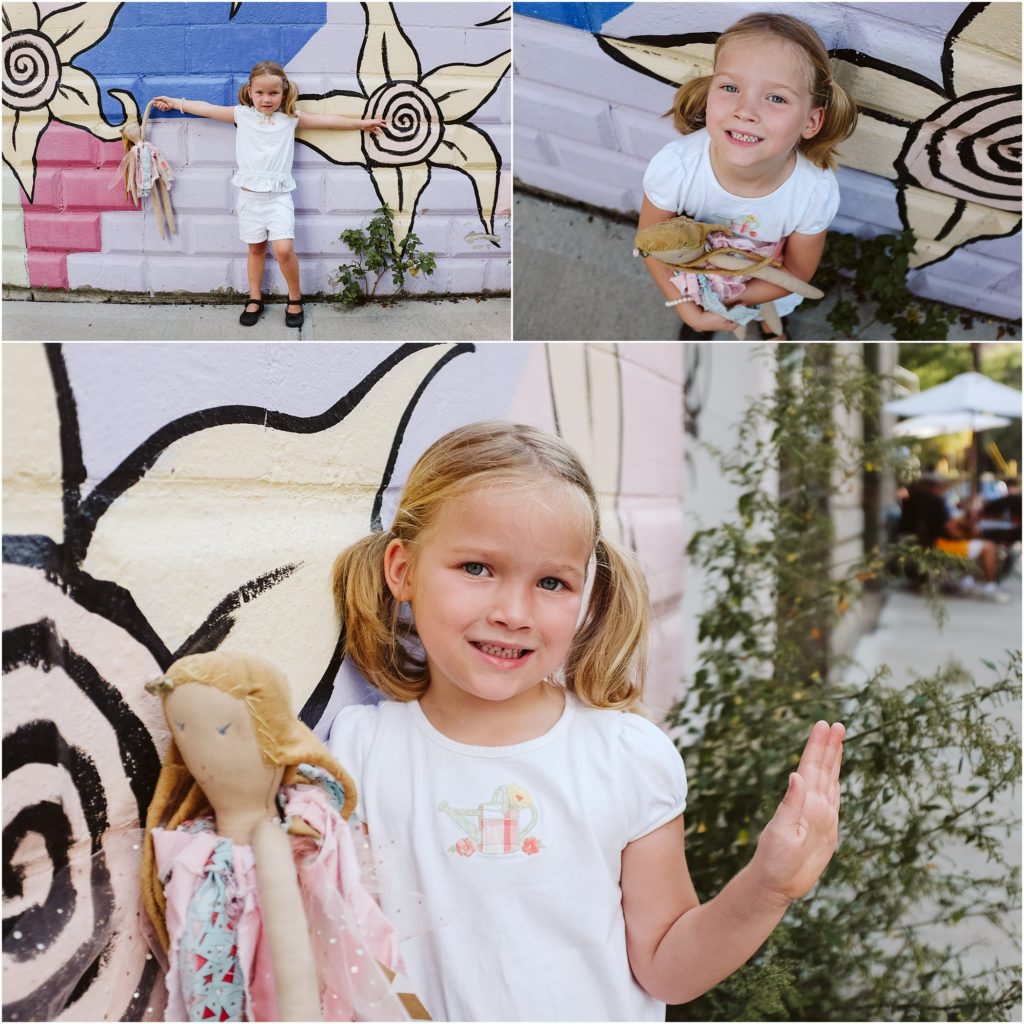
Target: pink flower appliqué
{"type": "Point", "coordinates": [465, 847]}
{"type": "Point", "coordinates": [531, 844]}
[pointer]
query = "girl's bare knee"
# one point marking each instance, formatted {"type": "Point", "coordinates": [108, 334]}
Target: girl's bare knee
{"type": "Point", "coordinates": [284, 249]}
{"type": "Point", "coordinates": [257, 248]}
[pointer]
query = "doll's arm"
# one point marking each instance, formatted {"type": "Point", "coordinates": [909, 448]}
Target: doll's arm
{"type": "Point", "coordinates": [198, 108]}
{"type": "Point", "coordinates": [689, 312]}
{"type": "Point", "coordinates": [800, 257]}
{"type": "Point", "coordinates": [284, 921]}
{"type": "Point", "coordinates": [374, 125]}
{"type": "Point", "coordinates": [679, 948]}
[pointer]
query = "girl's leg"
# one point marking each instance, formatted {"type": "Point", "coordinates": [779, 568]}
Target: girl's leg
{"type": "Point", "coordinates": [255, 266]}
{"type": "Point", "coordinates": [288, 261]}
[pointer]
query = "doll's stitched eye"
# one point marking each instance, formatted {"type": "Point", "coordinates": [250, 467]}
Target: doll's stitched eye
{"type": "Point", "coordinates": [222, 728]}
{"type": "Point", "coordinates": [181, 726]}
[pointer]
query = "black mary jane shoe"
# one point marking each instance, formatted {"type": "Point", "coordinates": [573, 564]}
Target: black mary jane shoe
{"type": "Point", "coordinates": [294, 319]}
{"type": "Point", "coordinates": [249, 318]}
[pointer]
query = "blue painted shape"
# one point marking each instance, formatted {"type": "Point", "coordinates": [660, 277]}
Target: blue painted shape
{"type": "Point", "coordinates": [197, 46]}
{"type": "Point", "coordinates": [590, 17]}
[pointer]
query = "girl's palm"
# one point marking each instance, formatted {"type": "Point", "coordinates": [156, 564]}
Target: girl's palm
{"type": "Point", "coordinates": [799, 841]}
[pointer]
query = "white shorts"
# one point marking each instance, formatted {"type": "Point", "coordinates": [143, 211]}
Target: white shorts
{"type": "Point", "coordinates": [263, 215]}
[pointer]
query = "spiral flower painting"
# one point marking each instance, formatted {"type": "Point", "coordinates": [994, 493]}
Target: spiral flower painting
{"type": "Point", "coordinates": [41, 84]}
{"type": "Point", "coordinates": [952, 147]}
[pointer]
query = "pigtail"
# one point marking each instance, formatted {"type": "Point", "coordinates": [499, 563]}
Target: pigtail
{"type": "Point", "coordinates": [291, 95]}
{"type": "Point", "coordinates": [839, 124]}
{"type": "Point", "coordinates": [376, 636]}
{"type": "Point", "coordinates": [245, 96]}
{"type": "Point", "coordinates": [690, 104]}
{"type": "Point", "coordinates": [607, 658]}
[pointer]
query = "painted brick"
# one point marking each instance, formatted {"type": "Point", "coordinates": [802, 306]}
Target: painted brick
{"type": "Point", "coordinates": [320, 234]}
{"type": "Point", "coordinates": [125, 232]}
{"type": "Point", "coordinates": [14, 233]}
{"type": "Point", "coordinates": [206, 234]}
{"type": "Point", "coordinates": [15, 267]}
{"type": "Point", "coordinates": [192, 274]}
{"type": "Point", "coordinates": [564, 113]}
{"type": "Point", "coordinates": [47, 191]}
{"type": "Point", "coordinates": [218, 51]}
{"type": "Point", "coordinates": [278, 13]}
{"type": "Point", "coordinates": [212, 88]}
{"type": "Point", "coordinates": [531, 145]}
{"type": "Point", "coordinates": [64, 146]}
{"type": "Point", "coordinates": [464, 240]}
{"type": "Point", "coordinates": [499, 275]}
{"type": "Point", "coordinates": [561, 182]}
{"type": "Point", "coordinates": [467, 276]}
{"type": "Point", "coordinates": [62, 232]}
{"type": "Point", "coordinates": [47, 269]}
{"type": "Point", "coordinates": [105, 270]}
{"type": "Point", "coordinates": [93, 189]}
{"type": "Point", "coordinates": [201, 189]}
{"type": "Point", "coordinates": [160, 52]}
{"type": "Point", "coordinates": [210, 142]}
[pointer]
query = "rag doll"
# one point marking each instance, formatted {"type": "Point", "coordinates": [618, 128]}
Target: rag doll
{"type": "Point", "coordinates": [251, 875]}
{"type": "Point", "coordinates": [704, 250]}
{"type": "Point", "coordinates": [145, 172]}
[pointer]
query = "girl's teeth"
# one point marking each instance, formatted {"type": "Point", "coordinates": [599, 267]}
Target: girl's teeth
{"type": "Point", "coordinates": [744, 138]}
{"type": "Point", "coordinates": [500, 652]}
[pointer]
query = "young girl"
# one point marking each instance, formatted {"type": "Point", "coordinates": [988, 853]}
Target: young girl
{"type": "Point", "coordinates": [530, 832]}
{"type": "Point", "coordinates": [267, 120]}
{"type": "Point", "coordinates": [757, 155]}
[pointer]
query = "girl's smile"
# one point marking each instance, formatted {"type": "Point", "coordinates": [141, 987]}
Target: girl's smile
{"type": "Point", "coordinates": [496, 587]}
{"type": "Point", "coordinates": [758, 109]}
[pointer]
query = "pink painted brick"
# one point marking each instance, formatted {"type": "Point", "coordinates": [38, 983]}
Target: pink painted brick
{"type": "Point", "coordinates": [107, 271]}
{"type": "Point", "coordinates": [110, 155]}
{"type": "Point", "coordinates": [93, 189]}
{"type": "Point", "coordinates": [64, 146]}
{"type": "Point", "coordinates": [47, 191]}
{"type": "Point", "coordinates": [565, 114]}
{"type": "Point", "coordinates": [47, 269]}
{"type": "Point", "coordinates": [63, 232]}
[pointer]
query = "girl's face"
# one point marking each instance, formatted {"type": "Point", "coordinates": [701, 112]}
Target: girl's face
{"type": "Point", "coordinates": [759, 103]}
{"type": "Point", "coordinates": [496, 590]}
{"type": "Point", "coordinates": [267, 92]}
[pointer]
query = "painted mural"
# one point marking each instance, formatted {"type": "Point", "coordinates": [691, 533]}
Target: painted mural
{"type": "Point", "coordinates": [164, 499]}
{"type": "Point", "coordinates": [74, 77]}
{"type": "Point", "coordinates": [936, 150]}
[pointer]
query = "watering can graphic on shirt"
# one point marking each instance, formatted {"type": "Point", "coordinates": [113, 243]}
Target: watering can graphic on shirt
{"type": "Point", "coordinates": [497, 826]}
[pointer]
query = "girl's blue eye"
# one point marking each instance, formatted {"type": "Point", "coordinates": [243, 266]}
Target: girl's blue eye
{"type": "Point", "coordinates": [730, 88]}
{"type": "Point", "coordinates": [475, 568]}
{"type": "Point", "coordinates": [777, 99]}
{"type": "Point", "coordinates": [551, 583]}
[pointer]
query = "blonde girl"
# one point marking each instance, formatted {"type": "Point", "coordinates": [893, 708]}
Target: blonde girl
{"type": "Point", "coordinates": [503, 781]}
{"type": "Point", "coordinates": [266, 120]}
{"type": "Point", "coordinates": [758, 155]}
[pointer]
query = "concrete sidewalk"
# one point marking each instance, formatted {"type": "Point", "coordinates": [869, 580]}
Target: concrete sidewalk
{"type": "Point", "coordinates": [575, 278]}
{"type": "Point", "coordinates": [909, 641]}
{"type": "Point", "coordinates": [441, 319]}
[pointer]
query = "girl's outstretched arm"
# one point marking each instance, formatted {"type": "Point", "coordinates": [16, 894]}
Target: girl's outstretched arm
{"type": "Point", "coordinates": [689, 312]}
{"type": "Point", "coordinates": [680, 948]}
{"type": "Point", "coordinates": [199, 108]}
{"type": "Point", "coordinates": [800, 257]}
{"type": "Point", "coordinates": [374, 125]}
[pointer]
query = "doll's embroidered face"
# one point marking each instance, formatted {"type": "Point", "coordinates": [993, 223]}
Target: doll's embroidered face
{"type": "Point", "coordinates": [267, 92]}
{"type": "Point", "coordinates": [214, 734]}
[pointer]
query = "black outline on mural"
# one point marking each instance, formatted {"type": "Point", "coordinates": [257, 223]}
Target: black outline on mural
{"type": "Point", "coordinates": [39, 643]}
{"type": "Point", "coordinates": [946, 91]}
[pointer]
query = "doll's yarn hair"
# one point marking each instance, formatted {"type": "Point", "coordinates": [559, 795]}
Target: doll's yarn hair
{"type": "Point", "coordinates": [840, 118]}
{"type": "Point", "coordinates": [290, 89]}
{"type": "Point", "coordinates": [283, 741]}
{"type": "Point", "coordinates": [605, 663]}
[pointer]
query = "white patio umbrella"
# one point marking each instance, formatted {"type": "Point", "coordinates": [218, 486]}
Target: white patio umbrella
{"type": "Point", "coordinates": [938, 424]}
{"type": "Point", "coordinates": [965, 393]}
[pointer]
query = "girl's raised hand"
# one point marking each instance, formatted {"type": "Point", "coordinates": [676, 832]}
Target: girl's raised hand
{"type": "Point", "coordinates": [164, 103]}
{"type": "Point", "coordinates": [374, 125]}
{"type": "Point", "coordinates": [799, 841]}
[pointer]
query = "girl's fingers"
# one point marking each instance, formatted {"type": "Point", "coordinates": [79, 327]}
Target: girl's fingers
{"type": "Point", "coordinates": [813, 758]}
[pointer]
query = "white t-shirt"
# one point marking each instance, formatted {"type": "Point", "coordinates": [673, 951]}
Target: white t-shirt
{"type": "Point", "coordinates": [680, 178]}
{"type": "Point", "coordinates": [502, 864]}
{"type": "Point", "coordinates": [264, 150]}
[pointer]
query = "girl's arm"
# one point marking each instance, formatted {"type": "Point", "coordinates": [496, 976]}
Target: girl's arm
{"type": "Point", "coordinates": [800, 257]}
{"type": "Point", "coordinates": [680, 948]}
{"type": "Point", "coordinates": [689, 312]}
{"type": "Point", "coordinates": [199, 108]}
{"type": "Point", "coordinates": [368, 124]}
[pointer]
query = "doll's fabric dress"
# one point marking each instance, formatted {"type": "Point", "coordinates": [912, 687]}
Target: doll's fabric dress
{"type": "Point", "coordinates": [219, 958]}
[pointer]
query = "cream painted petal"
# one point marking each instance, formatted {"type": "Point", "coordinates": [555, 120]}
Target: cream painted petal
{"type": "Point", "coordinates": [400, 188]}
{"type": "Point", "coordinates": [930, 214]}
{"type": "Point", "coordinates": [469, 150]}
{"type": "Point", "coordinates": [21, 18]}
{"type": "Point", "coordinates": [671, 64]}
{"type": "Point", "coordinates": [74, 29]}
{"type": "Point", "coordinates": [461, 89]}
{"type": "Point", "coordinates": [234, 504]}
{"type": "Point", "coordinates": [77, 103]}
{"type": "Point", "coordinates": [339, 146]}
{"type": "Point", "coordinates": [987, 52]}
{"type": "Point", "coordinates": [387, 54]}
{"type": "Point", "coordinates": [877, 89]}
{"type": "Point", "coordinates": [874, 146]}
{"type": "Point", "coordinates": [33, 466]}
{"type": "Point", "coordinates": [586, 391]}
{"type": "Point", "coordinates": [22, 129]}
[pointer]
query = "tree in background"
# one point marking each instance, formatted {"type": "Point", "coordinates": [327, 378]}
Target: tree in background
{"type": "Point", "coordinates": [923, 758]}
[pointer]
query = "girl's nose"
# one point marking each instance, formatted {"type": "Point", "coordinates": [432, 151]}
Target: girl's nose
{"type": "Point", "coordinates": [511, 608]}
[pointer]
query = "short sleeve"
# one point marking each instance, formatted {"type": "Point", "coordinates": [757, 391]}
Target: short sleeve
{"type": "Point", "coordinates": [664, 178]}
{"type": "Point", "coordinates": [655, 789]}
{"type": "Point", "coordinates": [240, 112]}
{"type": "Point", "coordinates": [822, 205]}
{"type": "Point", "coordinates": [351, 736]}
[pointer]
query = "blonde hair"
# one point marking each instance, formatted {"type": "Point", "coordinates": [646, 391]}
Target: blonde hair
{"type": "Point", "coordinates": [840, 112]}
{"type": "Point", "coordinates": [605, 663]}
{"type": "Point", "coordinates": [269, 67]}
{"type": "Point", "coordinates": [283, 740]}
